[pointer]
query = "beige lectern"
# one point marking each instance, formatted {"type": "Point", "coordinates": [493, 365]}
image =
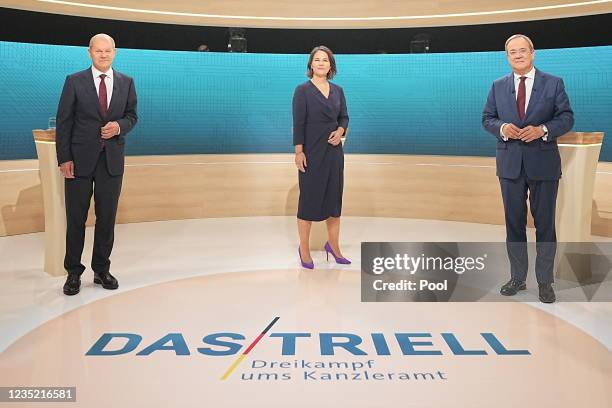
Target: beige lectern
{"type": "Point", "coordinates": [579, 157]}
{"type": "Point", "coordinates": [53, 200]}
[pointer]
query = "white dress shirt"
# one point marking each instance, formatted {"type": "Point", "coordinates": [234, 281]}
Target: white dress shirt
{"type": "Point", "coordinates": [108, 81]}
{"type": "Point", "coordinates": [530, 77]}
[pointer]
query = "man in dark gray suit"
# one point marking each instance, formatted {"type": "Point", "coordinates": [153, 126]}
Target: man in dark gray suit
{"type": "Point", "coordinates": [526, 111]}
{"type": "Point", "coordinates": [96, 111]}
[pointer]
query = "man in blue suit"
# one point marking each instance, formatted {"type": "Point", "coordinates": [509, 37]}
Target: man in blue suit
{"type": "Point", "coordinates": [96, 111]}
{"type": "Point", "coordinates": [527, 111]}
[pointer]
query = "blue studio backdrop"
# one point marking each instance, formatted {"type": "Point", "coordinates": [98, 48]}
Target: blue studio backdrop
{"type": "Point", "coordinates": [190, 102]}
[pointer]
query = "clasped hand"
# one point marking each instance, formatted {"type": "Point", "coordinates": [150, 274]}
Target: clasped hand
{"type": "Point", "coordinates": [109, 130]}
{"type": "Point", "coordinates": [526, 134]}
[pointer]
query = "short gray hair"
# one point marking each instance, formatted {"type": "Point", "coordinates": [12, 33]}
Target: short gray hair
{"type": "Point", "coordinates": [512, 37]}
{"type": "Point", "coordinates": [100, 37]}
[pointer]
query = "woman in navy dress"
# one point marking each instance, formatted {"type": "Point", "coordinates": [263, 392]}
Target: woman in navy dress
{"type": "Point", "coordinates": [320, 119]}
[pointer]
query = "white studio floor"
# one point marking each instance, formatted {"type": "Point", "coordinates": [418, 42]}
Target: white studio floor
{"type": "Point", "coordinates": [246, 270]}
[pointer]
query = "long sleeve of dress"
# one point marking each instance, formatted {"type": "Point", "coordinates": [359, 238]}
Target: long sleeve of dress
{"type": "Point", "coordinates": [299, 116]}
{"type": "Point", "coordinates": [343, 118]}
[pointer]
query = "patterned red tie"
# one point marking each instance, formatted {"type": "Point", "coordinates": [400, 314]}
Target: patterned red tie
{"type": "Point", "coordinates": [102, 97]}
{"type": "Point", "coordinates": [520, 98]}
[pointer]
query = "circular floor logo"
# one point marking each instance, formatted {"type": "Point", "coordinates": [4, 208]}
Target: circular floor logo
{"type": "Point", "coordinates": [278, 338]}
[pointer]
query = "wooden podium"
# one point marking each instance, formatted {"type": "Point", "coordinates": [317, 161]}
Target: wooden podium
{"type": "Point", "coordinates": [53, 200]}
{"type": "Point", "coordinates": [579, 156]}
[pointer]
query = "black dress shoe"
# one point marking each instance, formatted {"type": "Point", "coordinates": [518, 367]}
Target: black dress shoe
{"type": "Point", "coordinates": [547, 294]}
{"type": "Point", "coordinates": [72, 285]}
{"type": "Point", "coordinates": [107, 280]}
{"type": "Point", "coordinates": [512, 287]}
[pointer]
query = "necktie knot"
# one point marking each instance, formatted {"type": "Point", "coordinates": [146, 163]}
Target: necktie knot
{"type": "Point", "coordinates": [102, 76]}
{"type": "Point", "coordinates": [523, 78]}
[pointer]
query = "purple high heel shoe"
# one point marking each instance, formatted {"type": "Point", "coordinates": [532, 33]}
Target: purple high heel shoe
{"type": "Point", "coordinates": [307, 265]}
{"type": "Point", "coordinates": [339, 260]}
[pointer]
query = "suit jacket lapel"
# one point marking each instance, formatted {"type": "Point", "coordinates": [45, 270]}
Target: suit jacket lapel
{"type": "Point", "coordinates": [511, 94]}
{"type": "Point", "coordinates": [536, 93]}
{"type": "Point", "coordinates": [90, 91]}
{"type": "Point", "coordinates": [114, 97]}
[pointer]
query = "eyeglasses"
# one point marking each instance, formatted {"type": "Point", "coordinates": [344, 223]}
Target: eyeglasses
{"type": "Point", "coordinates": [521, 51]}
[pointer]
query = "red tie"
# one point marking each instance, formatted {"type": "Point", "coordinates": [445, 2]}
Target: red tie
{"type": "Point", "coordinates": [520, 98]}
{"type": "Point", "coordinates": [102, 97]}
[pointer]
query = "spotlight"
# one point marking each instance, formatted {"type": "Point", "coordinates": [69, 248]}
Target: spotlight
{"type": "Point", "coordinates": [419, 44]}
